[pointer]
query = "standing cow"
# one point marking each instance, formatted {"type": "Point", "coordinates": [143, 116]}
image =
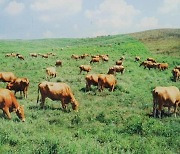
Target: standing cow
{"type": "Point", "coordinates": [19, 84]}
{"type": "Point", "coordinates": [106, 81]}
{"type": "Point", "coordinates": [165, 97]}
{"type": "Point", "coordinates": [57, 91]}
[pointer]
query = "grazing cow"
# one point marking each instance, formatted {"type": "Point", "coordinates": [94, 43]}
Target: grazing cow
{"type": "Point", "coordinates": [19, 84]}
{"type": "Point", "coordinates": [44, 56]}
{"type": "Point", "coordinates": [149, 64]}
{"type": "Point", "coordinates": [91, 79]}
{"type": "Point", "coordinates": [75, 57]}
{"type": "Point", "coordinates": [119, 62]}
{"type": "Point", "coordinates": [106, 81]}
{"type": "Point", "coordinates": [104, 57]}
{"type": "Point", "coordinates": [58, 63]}
{"type": "Point", "coordinates": [85, 68]}
{"type": "Point", "coordinates": [151, 59]}
{"type": "Point", "coordinates": [137, 58]}
{"type": "Point", "coordinates": [51, 71]}
{"type": "Point", "coordinates": [33, 54]}
{"type": "Point", "coordinates": [84, 56]}
{"type": "Point", "coordinates": [116, 68]}
{"type": "Point", "coordinates": [8, 55]}
{"type": "Point", "coordinates": [163, 66]}
{"type": "Point", "coordinates": [8, 103]}
{"type": "Point", "coordinates": [7, 76]}
{"type": "Point", "coordinates": [20, 57]}
{"type": "Point", "coordinates": [176, 74]}
{"type": "Point", "coordinates": [57, 91]}
{"type": "Point", "coordinates": [95, 60]}
{"type": "Point", "coordinates": [165, 97]}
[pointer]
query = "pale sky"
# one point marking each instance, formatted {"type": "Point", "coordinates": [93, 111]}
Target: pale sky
{"type": "Point", "coordinates": [33, 19]}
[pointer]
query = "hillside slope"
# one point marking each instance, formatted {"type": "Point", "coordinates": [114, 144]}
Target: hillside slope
{"type": "Point", "coordinates": [107, 122]}
{"type": "Point", "coordinates": [161, 41]}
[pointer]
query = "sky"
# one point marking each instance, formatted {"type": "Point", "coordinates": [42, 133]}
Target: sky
{"type": "Point", "coordinates": [35, 19]}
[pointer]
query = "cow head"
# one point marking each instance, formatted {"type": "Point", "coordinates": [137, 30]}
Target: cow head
{"type": "Point", "coordinates": [20, 113]}
{"type": "Point", "coordinates": [75, 105]}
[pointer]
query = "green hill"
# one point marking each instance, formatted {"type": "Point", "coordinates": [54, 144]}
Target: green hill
{"type": "Point", "coordinates": [161, 41]}
{"type": "Point", "coordinates": [107, 122]}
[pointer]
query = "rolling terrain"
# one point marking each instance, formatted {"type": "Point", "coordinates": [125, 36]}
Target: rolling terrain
{"type": "Point", "coordinates": [107, 122]}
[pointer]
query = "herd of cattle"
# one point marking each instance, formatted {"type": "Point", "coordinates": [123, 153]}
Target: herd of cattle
{"type": "Point", "coordinates": [162, 96]}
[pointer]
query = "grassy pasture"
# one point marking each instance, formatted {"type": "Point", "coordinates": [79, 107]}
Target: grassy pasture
{"type": "Point", "coordinates": [107, 122]}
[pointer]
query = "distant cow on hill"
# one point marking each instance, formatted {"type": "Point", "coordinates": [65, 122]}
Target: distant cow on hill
{"type": "Point", "coordinates": [51, 71]}
{"type": "Point", "coordinates": [85, 68]}
{"type": "Point", "coordinates": [58, 63]}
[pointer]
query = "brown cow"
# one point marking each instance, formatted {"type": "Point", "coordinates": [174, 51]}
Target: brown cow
{"type": "Point", "coordinates": [176, 74]}
{"type": "Point", "coordinates": [149, 64]}
{"type": "Point", "coordinates": [165, 97]}
{"type": "Point", "coordinates": [119, 62]}
{"type": "Point", "coordinates": [20, 57]}
{"type": "Point", "coordinates": [33, 54]}
{"type": "Point", "coordinates": [75, 57]}
{"type": "Point", "coordinates": [7, 76]}
{"type": "Point", "coordinates": [57, 91]}
{"type": "Point", "coordinates": [95, 60]}
{"type": "Point", "coordinates": [51, 71]}
{"type": "Point", "coordinates": [151, 59]}
{"type": "Point", "coordinates": [163, 66]}
{"type": "Point", "coordinates": [19, 84]}
{"type": "Point", "coordinates": [85, 68]}
{"type": "Point", "coordinates": [58, 63]}
{"type": "Point", "coordinates": [44, 56]}
{"type": "Point", "coordinates": [8, 103]}
{"type": "Point", "coordinates": [91, 79]}
{"type": "Point", "coordinates": [106, 81]}
{"type": "Point", "coordinates": [116, 68]}
{"type": "Point", "coordinates": [105, 58]}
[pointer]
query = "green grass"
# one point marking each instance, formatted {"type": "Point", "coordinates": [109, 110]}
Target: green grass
{"type": "Point", "coordinates": [107, 122]}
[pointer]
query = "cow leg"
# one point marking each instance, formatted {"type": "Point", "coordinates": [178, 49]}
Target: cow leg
{"type": "Point", "coordinates": [80, 71]}
{"type": "Point", "coordinates": [169, 108]}
{"type": "Point", "coordinates": [63, 104]}
{"type": "Point", "coordinates": [6, 111]}
{"type": "Point", "coordinates": [21, 93]}
{"type": "Point", "coordinates": [160, 111]}
{"type": "Point", "coordinates": [112, 88]}
{"type": "Point", "coordinates": [42, 102]}
{"type": "Point", "coordinates": [154, 108]}
{"type": "Point", "coordinates": [175, 109]}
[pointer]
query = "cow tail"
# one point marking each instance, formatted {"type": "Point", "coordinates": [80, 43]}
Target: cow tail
{"type": "Point", "coordinates": [38, 94]}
